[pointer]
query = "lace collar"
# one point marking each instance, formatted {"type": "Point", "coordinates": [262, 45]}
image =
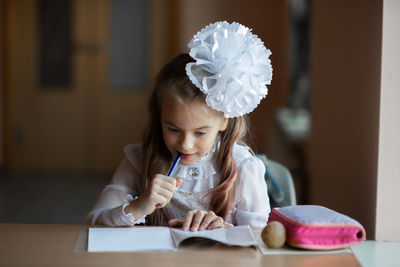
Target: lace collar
{"type": "Point", "coordinates": [198, 177]}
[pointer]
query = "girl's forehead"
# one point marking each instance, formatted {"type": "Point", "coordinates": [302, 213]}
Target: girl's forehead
{"type": "Point", "coordinates": [185, 111]}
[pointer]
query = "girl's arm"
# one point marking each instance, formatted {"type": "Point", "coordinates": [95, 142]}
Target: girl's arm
{"type": "Point", "coordinates": [117, 207]}
{"type": "Point", "coordinates": [109, 207]}
{"type": "Point", "coordinates": [157, 195]}
{"type": "Point", "coordinates": [251, 200]}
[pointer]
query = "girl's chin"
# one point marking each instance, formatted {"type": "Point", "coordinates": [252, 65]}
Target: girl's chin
{"type": "Point", "coordinates": [188, 161]}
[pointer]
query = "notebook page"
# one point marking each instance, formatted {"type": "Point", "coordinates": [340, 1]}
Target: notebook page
{"type": "Point", "coordinates": [240, 236]}
{"type": "Point", "coordinates": [130, 239]}
{"type": "Point", "coordinates": [235, 236]}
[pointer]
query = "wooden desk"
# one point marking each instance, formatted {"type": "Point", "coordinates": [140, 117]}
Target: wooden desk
{"type": "Point", "coordinates": [53, 245]}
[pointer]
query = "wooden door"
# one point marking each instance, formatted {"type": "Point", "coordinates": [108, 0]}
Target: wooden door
{"type": "Point", "coordinates": [82, 126]}
{"type": "Point", "coordinates": [46, 127]}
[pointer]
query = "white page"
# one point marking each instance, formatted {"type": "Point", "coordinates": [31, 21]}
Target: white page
{"type": "Point", "coordinates": [130, 239]}
{"type": "Point", "coordinates": [161, 238]}
{"type": "Point", "coordinates": [240, 236]}
{"type": "Point", "coordinates": [235, 236]}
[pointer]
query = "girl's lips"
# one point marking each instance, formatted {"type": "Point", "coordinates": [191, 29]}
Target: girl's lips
{"type": "Point", "coordinates": [187, 156]}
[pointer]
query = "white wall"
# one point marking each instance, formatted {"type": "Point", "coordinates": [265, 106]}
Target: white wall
{"type": "Point", "coordinates": [388, 192]}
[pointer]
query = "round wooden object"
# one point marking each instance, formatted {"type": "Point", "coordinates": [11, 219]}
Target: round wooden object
{"type": "Point", "coordinates": [274, 234]}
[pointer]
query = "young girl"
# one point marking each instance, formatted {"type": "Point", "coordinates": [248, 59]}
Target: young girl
{"type": "Point", "coordinates": [198, 108]}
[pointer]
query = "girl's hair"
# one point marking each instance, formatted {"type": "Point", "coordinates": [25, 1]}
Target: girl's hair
{"type": "Point", "coordinates": [173, 81]}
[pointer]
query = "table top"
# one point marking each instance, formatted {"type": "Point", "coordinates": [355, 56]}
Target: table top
{"type": "Point", "coordinates": [54, 245]}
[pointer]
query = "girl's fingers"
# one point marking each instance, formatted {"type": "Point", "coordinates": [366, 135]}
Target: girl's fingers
{"type": "Point", "coordinates": [167, 183]}
{"type": "Point", "coordinates": [162, 190]}
{"type": "Point", "coordinates": [188, 219]}
{"type": "Point", "coordinates": [210, 217]}
{"type": "Point", "coordinates": [158, 194]}
{"type": "Point", "coordinates": [178, 181]}
{"type": "Point", "coordinates": [160, 201]}
{"type": "Point", "coordinates": [175, 223]}
{"type": "Point", "coordinates": [165, 193]}
{"type": "Point", "coordinates": [217, 223]}
{"type": "Point", "coordinates": [197, 220]}
{"type": "Point", "coordinates": [201, 220]}
{"type": "Point", "coordinates": [159, 197]}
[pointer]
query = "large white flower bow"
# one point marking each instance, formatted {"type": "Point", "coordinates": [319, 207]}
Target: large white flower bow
{"type": "Point", "coordinates": [232, 67]}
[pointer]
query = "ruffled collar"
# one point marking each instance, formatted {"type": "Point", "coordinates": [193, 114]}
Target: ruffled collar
{"type": "Point", "coordinates": [201, 176]}
{"type": "Point", "coordinates": [198, 177]}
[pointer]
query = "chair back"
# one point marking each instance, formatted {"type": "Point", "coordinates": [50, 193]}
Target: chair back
{"type": "Point", "coordinates": [280, 184]}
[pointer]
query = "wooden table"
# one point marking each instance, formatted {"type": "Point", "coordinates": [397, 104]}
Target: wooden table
{"type": "Point", "coordinates": [53, 245]}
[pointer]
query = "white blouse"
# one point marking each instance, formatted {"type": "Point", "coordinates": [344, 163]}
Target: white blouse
{"type": "Point", "coordinates": [250, 206]}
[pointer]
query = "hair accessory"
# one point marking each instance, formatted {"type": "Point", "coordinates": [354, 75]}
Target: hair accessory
{"type": "Point", "coordinates": [232, 67]}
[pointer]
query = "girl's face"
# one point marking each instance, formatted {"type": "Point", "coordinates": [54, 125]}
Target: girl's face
{"type": "Point", "coordinates": [190, 127]}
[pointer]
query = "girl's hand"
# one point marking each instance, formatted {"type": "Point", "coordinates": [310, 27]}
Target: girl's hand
{"type": "Point", "coordinates": [157, 195]}
{"type": "Point", "coordinates": [198, 220]}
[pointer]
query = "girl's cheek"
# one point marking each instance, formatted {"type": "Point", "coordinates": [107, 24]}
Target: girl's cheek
{"type": "Point", "coordinates": [209, 144]}
{"type": "Point", "coordinates": [171, 143]}
{"type": "Point", "coordinates": [168, 140]}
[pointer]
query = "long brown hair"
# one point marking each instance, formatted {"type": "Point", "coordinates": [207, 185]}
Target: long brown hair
{"type": "Point", "coordinates": [172, 80]}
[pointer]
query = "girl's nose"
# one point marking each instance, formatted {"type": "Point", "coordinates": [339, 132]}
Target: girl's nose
{"type": "Point", "coordinates": [186, 143]}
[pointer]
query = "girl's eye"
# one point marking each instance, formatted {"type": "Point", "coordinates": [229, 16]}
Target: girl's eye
{"type": "Point", "coordinates": [201, 133]}
{"type": "Point", "coordinates": [174, 130]}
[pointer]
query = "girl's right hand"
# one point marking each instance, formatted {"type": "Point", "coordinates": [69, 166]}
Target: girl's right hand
{"type": "Point", "coordinates": [157, 195]}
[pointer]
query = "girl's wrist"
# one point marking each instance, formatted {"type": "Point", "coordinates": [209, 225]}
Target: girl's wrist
{"type": "Point", "coordinates": [135, 209]}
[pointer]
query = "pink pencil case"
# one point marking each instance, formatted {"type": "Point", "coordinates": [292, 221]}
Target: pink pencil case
{"type": "Point", "coordinates": [318, 228]}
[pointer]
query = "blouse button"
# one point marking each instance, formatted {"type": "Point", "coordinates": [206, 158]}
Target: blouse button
{"type": "Point", "coordinates": [194, 171]}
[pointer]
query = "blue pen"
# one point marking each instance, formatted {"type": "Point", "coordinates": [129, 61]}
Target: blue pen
{"type": "Point", "coordinates": [176, 161]}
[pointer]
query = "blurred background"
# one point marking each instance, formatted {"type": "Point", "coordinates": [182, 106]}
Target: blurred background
{"type": "Point", "coordinates": [75, 77]}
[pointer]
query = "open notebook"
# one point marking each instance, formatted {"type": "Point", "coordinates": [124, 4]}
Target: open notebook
{"type": "Point", "coordinates": [162, 238]}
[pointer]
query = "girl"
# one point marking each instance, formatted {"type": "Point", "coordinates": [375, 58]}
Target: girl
{"type": "Point", "coordinates": [217, 181]}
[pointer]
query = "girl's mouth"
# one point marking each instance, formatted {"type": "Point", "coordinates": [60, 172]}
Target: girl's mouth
{"type": "Point", "coordinates": [187, 156]}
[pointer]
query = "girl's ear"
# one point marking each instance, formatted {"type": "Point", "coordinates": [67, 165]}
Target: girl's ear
{"type": "Point", "coordinates": [224, 124]}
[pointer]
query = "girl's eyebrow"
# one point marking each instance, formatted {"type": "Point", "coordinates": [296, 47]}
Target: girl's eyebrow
{"type": "Point", "coordinates": [203, 128]}
{"type": "Point", "coordinates": [199, 128]}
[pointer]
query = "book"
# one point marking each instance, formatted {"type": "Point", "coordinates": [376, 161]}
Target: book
{"type": "Point", "coordinates": [142, 239]}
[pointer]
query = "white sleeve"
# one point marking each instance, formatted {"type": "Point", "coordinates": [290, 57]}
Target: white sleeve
{"type": "Point", "coordinates": [109, 209]}
{"type": "Point", "coordinates": [252, 202]}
